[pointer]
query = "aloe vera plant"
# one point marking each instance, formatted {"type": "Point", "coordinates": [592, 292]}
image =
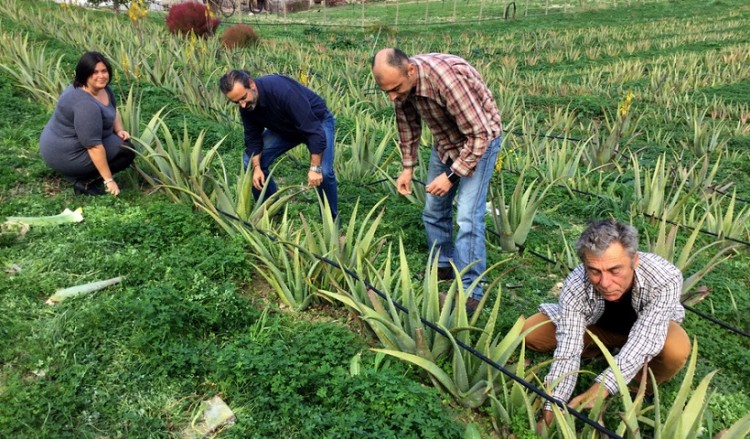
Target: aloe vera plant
{"type": "Point", "coordinates": [706, 138]}
{"type": "Point", "coordinates": [364, 150]}
{"type": "Point", "coordinates": [632, 407]}
{"type": "Point", "coordinates": [472, 380]}
{"type": "Point", "coordinates": [665, 245]}
{"type": "Point", "coordinates": [130, 111]}
{"type": "Point", "coordinates": [739, 429]}
{"type": "Point", "coordinates": [290, 272]}
{"type": "Point", "coordinates": [656, 195]}
{"type": "Point", "coordinates": [561, 161]}
{"type": "Point", "coordinates": [181, 167]}
{"type": "Point", "coordinates": [728, 222]}
{"type": "Point", "coordinates": [701, 174]}
{"type": "Point", "coordinates": [406, 333]}
{"type": "Point", "coordinates": [510, 400]}
{"type": "Point", "coordinates": [350, 246]}
{"type": "Point", "coordinates": [394, 331]}
{"type": "Point", "coordinates": [686, 415]}
{"type": "Point", "coordinates": [34, 70]}
{"type": "Point", "coordinates": [513, 223]}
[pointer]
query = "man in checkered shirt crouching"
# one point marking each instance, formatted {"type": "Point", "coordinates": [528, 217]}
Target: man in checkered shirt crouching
{"type": "Point", "coordinates": [629, 299]}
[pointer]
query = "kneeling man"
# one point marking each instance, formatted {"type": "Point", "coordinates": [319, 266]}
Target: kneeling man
{"type": "Point", "coordinates": [628, 299]}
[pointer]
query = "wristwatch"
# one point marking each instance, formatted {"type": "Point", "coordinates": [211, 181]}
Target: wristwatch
{"type": "Point", "coordinates": [453, 177]}
{"type": "Point", "coordinates": [318, 169]}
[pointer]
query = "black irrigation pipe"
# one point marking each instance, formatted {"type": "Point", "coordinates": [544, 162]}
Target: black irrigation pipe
{"type": "Point", "coordinates": [724, 325]}
{"type": "Point", "coordinates": [602, 197]}
{"type": "Point", "coordinates": [744, 200]}
{"type": "Point", "coordinates": [405, 25]}
{"type": "Point", "coordinates": [707, 232]}
{"type": "Point", "coordinates": [574, 139]}
{"type": "Point", "coordinates": [523, 249]}
{"type": "Point", "coordinates": [521, 133]}
{"type": "Point", "coordinates": [717, 321]}
{"type": "Point", "coordinates": [435, 328]}
{"type": "Point", "coordinates": [580, 192]}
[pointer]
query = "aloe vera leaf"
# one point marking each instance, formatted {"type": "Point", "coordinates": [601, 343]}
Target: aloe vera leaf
{"type": "Point", "coordinates": [79, 290]}
{"type": "Point", "coordinates": [67, 216]}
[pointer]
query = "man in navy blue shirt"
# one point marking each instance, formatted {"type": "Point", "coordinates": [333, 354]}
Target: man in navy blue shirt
{"type": "Point", "coordinates": [279, 113]}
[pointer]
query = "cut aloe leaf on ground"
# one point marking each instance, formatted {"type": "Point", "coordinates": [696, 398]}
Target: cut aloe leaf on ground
{"type": "Point", "coordinates": [80, 290]}
{"type": "Point", "coordinates": [67, 216]}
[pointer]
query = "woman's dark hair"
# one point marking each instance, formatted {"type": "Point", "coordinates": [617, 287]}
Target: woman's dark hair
{"type": "Point", "coordinates": [87, 65]}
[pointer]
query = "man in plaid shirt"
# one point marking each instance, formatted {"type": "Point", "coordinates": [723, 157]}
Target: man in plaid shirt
{"type": "Point", "coordinates": [450, 96]}
{"type": "Point", "coordinates": [628, 299]}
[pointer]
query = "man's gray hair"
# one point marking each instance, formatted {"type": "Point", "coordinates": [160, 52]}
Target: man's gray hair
{"type": "Point", "coordinates": [599, 235]}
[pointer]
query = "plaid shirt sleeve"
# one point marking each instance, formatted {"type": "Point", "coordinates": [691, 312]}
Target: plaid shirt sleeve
{"type": "Point", "coordinates": [410, 132]}
{"type": "Point", "coordinates": [463, 91]}
{"type": "Point", "coordinates": [571, 324]}
{"type": "Point", "coordinates": [659, 294]}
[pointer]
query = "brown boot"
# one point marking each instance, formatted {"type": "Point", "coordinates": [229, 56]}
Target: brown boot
{"type": "Point", "coordinates": [471, 305]}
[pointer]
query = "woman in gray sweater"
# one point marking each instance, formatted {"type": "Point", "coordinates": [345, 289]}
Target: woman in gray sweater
{"type": "Point", "coordinates": [84, 139]}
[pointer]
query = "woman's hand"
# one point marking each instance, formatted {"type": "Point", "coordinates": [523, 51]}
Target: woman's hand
{"type": "Point", "coordinates": [122, 134]}
{"type": "Point", "coordinates": [111, 186]}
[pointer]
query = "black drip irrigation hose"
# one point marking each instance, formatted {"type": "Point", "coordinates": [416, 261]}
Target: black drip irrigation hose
{"type": "Point", "coordinates": [714, 320]}
{"type": "Point", "coordinates": [549, 136]}
{"type": "Point", "coordinates": [574, 139]}
{"type": "Point", "coordinates": [744, 200]}
{"type": "Point", "coordinates": [646, 215]}
{"type": "Point", "coordinates": [435, 328]}
{"type": "Point", "coordinates": [738, 241]}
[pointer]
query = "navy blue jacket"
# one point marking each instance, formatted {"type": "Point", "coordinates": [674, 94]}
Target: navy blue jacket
{"type": "Point", "coordinates": [287, 108]}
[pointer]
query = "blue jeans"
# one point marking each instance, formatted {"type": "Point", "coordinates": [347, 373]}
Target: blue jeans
{"type": "Point", "coordinates": [275, 145]}
{"type": "Point", "coordinates": [472, 198]}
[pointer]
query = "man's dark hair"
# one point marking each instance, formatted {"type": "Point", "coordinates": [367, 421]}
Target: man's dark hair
{"type": "Point", "coordinates": [226, 82]}
{"type": "Point", "coordinates": [395, 57]}
{"type": "Point", "coordinates": [599, 235]}
{"type": "Point", "coordinates": [86, 67]}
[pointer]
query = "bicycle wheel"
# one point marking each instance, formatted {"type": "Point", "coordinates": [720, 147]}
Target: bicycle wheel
{"type": "Point", "coordinates": [227, 8]}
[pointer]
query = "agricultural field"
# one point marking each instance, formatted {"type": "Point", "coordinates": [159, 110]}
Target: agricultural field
{"type": "Point", "coordinates": [636, 110]}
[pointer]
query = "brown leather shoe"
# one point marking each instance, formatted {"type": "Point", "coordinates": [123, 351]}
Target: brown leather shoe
{"type": "Point", "coordinates": [471, 305]}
